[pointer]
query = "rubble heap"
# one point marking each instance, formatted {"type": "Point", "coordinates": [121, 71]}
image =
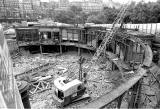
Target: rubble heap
{"type": "Point", "coordinates": [100, 80]}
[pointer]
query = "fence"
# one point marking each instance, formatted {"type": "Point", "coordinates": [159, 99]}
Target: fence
{"type": "Point", "coordinates": [150, 28]}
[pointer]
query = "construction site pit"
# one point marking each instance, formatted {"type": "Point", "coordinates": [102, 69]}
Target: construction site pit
{"type": "Point", "coordinates": [100, 79]}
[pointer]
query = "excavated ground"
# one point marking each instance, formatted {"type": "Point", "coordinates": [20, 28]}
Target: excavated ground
{"type": "Point", "coordinates": [100, 79]}
{"type": "Point", "coordinates": [66, 65]}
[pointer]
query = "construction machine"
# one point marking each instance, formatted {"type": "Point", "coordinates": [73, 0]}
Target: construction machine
{"type": "Point", "coordinates": [69, 91]}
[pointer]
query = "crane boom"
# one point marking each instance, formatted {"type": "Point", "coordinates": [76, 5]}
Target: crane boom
{"type": "Point", "coordinates": [109, 36]}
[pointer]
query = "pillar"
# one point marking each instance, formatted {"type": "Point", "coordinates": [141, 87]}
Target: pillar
{"type": "Point", "coordinates": [41, 49]}
{"type": "Point", "coordinates": [158, 57]}
{"type": "Point", "coordinates": [79, 51]}
{"type": "Point", "coordinates": [60, 41]}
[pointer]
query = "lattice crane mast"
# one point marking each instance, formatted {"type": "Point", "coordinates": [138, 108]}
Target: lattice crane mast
{"type": "Point", "coordinates": [109, 35]}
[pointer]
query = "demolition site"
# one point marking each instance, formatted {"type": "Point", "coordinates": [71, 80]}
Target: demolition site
{"type": "Point", "coordinates": [57, 67]}
{"type": "Point", "coordinates": [86, 67]}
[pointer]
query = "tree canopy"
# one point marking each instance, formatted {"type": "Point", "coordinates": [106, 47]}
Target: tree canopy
{"type": "Point", "coordinates": [136, 13]}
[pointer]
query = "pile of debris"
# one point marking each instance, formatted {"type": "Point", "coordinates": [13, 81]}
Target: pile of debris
{"type": "Point", "coordinates": [151, 89]}
{"type": "Point", "coordinates": [65, 65]}
{"type": "Point", "coordinates": [100, 79]}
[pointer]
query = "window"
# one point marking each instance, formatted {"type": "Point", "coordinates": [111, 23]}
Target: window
{"type": "Point", "coordinates": [49, 35]}
{"type": "Point", "coordinates": [56, 35]}
{"type": "Point", "coordinates": [60, 95]}
{"type": "Point", "coordinates": [79, 87]}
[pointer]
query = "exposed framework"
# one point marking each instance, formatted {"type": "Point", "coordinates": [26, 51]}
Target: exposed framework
{"type": "Point", "coordinates": [128, 84]}
{"type": "Point", "coordinates": [109, 36]}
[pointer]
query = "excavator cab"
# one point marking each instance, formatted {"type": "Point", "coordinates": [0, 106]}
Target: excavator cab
{"type": "Point", "coordinates": [67, 91]}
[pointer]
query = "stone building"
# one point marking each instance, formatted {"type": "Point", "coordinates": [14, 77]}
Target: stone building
{"type": "Point", "coordinates": [9, 9]}
{"type": "Point", "coordinates": [89, 5]}
{"type": "Point", "coordinates": [63, 4]}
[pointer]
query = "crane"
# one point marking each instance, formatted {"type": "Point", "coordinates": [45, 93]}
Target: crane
{"type": "Point", "coordinates": [68, 92]}
{"type": "Point", "coordinates": [108, 37]}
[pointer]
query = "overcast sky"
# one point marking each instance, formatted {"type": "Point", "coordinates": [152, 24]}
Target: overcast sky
{"type": "Point", "coordinates": [120, 1]}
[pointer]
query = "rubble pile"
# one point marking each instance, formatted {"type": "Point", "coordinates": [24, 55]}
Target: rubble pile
{"type": "Point", "coordinates": [25, 63]}
{"type": "Point", "coordinates": [100, 79]}
{"type": "Point", "coordinates": [150, 92]}
{"type": "Point", "coordinates": [66, 65]}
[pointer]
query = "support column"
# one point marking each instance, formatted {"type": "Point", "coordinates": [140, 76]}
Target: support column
{"type": "Point", "coordinates": [60, 41]}
{"type": "Point", "coordinates": [119, 100]}
{"type": "Point", "coordinates": [40, 40]}
{"type": "Point", "coordinates": [114, 51]}
{"type": "Point", "coordinates": [159, 57]}
{"type": "Point", "coordinates": [97, 41]}
{"type": "Point", "coordinates": [135, 56]}
{"type": "Point", "coordinates": [60, 49]}
{"type": "Point", "coordinates": [41, 49]}
{"type": "Point", "coordinates": [125, 51]}
{"type": "Point", "coordinates": [18, 47]}
{"type": "Point", "coordinates": [80, 68]}
{"type": "Point", "coordinates": [79, 51]}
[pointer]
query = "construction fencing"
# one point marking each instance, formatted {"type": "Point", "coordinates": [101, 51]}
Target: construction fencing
{"type": "Point", "coordinates": [150, 28]}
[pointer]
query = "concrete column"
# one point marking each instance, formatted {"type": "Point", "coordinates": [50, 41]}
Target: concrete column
{"type": "Point", "coordinates": [41, 49]}
{"type": "Point", "coordinates": [60, 41]}
{"type": "Point", "coordinates": [158, 57]}
{"type": "Point", "coordinates": [60, 49]}
{"type": "Point", "coordinates": [79, 51]}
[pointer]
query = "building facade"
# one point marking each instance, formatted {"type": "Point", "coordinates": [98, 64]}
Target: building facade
{"type": "Point", "coordinates": [63, 4]}
{"type": "Point", "coordinates": [26, 7]}
{"type": "Point", "coordinates": [89, 5]}
{"type": "Point", "coordinates": [9, 9]}
{"type": "Point", "coordinates": [2, 9]}
{"type": "Point", "coordinates": [92, 7]}
{"type": "Point", "coordinates": [76, 3]}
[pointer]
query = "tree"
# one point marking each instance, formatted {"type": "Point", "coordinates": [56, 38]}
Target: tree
{"type": "Point", "coordinates": [64, 16]}
{"type": "Point", "coordinates": [110, 14]}
{"type": "Point", "coordinates": [92, 19]}
{"type": "Point", "coordinates": [144, 12]}
{"type": "Point", "coordinates": [137, 13]}
{"type": "Point", "coordinates": [75, 9]}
